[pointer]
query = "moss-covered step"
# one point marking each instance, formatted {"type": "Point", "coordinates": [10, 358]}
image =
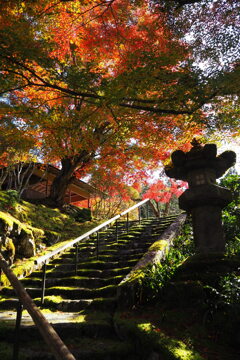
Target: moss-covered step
{"type": "Point", "coordinates": [96, 264]}
{"type": "Point", "coordinates": [91, 290]}
{"type": "Point", "coordinates": [150, 341]}
{"type": "Point", "coordinates": [82, 348]}
{"type": "Point", "coordinates": [8, 303]}
{"type": "Point", "coordinates": [80, 293]}
{"type": "Point", "coordinates": [65, 305]}
{"type": "Point", "coordinates": [69, 292]}
{"type": "Point", "coordinates": [68, 325]}
{"type": "Point", "coordinates": [84, 251]}
{"type": "Point", "coordinates": [71, 305]}
{"type": "Point", "coordinates": [72, 281]}
{"type": "Point", "coordinates": [84, 272]}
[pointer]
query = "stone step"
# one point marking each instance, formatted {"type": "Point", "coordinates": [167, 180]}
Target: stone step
{"type": "Point", "coordinates": [75, 305]}
{"type": "Point", "coordinates": [67, 325]}
{"type": "Point", "coordinates": [107, 253]}
{"type": "Point", "coordinates": [64, 305]}
{"type": "Point", "coordinates": [104, 256]}
{"type": "Point", "coordinates": [83, 348]}
{"type": "Point", "coordinates": [108, 250]}
{"type": "Point", "coordinates": [85, 272]}
{"type": "Point", "coordinates": [69, 292]}
{"type": "Point", "coordinates": [77, 297]}
{"type": "Point", "coordinates": [9, 303]}
{"type": "Point", "coordinates": [72, 281]}
{"type": "Point", "coordinates": [94, 264]}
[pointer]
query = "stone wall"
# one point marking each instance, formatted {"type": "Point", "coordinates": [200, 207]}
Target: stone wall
{"type": "Point", "coordinates": [17, 239]}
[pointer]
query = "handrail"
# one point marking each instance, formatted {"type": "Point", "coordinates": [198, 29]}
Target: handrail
{"type": "Point", "coordinates": [45, 258]}
{"type": "Point", "coordinates": [56, 345]}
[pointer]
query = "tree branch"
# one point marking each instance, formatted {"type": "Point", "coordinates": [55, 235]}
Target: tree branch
{"type": "Point", "coordinates": [156, 110]}
{"type": "Point", "coordinates": [86, 95]}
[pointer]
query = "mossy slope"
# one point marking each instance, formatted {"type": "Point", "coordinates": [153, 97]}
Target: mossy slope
{"type": "Point", "coordinates": [98, 295]}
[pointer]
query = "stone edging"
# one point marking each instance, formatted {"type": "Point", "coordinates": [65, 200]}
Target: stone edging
{"type": "Point", "coordinates": [129, 286]}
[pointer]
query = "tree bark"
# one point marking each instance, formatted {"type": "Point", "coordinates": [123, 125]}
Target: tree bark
{"type": "Point", "coordinates": [61, 182]}
{"type": "Point", "coordinates": [167, 207]}
{"type": "Point", "coordinates": [71, 164]}
{"type": "Point", "coordinates": [154, 208]}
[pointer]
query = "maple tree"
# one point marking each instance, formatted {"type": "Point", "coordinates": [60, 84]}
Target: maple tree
{"type": "Point", "coordinates": [162, 193]}
{"type": "Point", "coordinates": [99, 80]}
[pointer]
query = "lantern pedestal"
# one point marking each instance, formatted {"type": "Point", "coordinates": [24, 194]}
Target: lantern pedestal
{"type": "Point", "coordinates": [200, 167]}
{"type": "Point", "coordinates": [205, 203]}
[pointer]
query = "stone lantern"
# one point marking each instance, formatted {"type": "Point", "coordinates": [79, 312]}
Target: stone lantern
{"type": "Point", "coordinates": [204, 199]}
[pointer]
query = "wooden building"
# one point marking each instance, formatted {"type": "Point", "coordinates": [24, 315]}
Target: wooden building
{"type": "Point", "coordinates": [40, 178]}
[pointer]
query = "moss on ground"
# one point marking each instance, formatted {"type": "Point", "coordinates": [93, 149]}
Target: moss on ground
{"type": "Point", "coordinates": [150, 338]}
{"type": "Point", "coordinates": [6, 350]}
{"type": "Point", "coordinates": [184, 325]}
{"type": "Point", "coordinates": [46, 225]}
{"type": "Point", "coordinates": [41, 218]}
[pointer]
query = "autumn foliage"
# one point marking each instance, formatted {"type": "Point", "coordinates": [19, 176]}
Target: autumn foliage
{"type": "Point", "coordinates": [100, 88]}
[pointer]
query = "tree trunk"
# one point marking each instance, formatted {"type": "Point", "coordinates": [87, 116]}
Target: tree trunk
{"type": "Point", "coordinates": [154, 208]}
{"type": "Point", "coordinates": [69, 165]}
{"type": "Point", "coordinates": [61, 182]}
{"type": "Point", "coordinates": [167, 207]}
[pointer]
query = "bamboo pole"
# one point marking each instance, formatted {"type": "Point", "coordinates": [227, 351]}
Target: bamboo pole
{"type": "Point", "coordinates": [55, 344]}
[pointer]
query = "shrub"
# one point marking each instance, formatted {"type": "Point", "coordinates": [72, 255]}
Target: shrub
{"type": "Point", "coordinates": [12, 198]}
{"type": "Point", "coordinates": [79, 214]}
{"type": "Point", "coordinates": [159, 275]}
{"type": "Point", "coordinates": [231, 214]}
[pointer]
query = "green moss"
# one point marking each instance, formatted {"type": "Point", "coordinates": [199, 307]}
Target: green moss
{"type": "Point", "coordinates": [126, 237]}
{"type": "Point", "coordinates": [135, 276]}
{"type": "Point", "coordinates": [73, 288]}
{"type": "Point", "coordinates": [39, 218]}
{"type": "Point", "coordinates": [172, 348]}
{"type": "Point", "coordinates": [8, 249]}
{"type": "Point", "coordinates": [158, 245]}
{"type": "Point", "coordinates": [96, 317]}
{"type": "Point", "coordinates": [148, 337]}
{"type": "Point", "coordinates": [7, 219]}
{"type": "Point", "coordinates": [25, 229]}
{"type": "Point", "coordinates": [138, 274]}
{"type": "Point", "coordinates": [5, 350]}
{"type": "Point", "coordinates": [50, 301]}
{"type": "Point", "coordinates": [37, 233]}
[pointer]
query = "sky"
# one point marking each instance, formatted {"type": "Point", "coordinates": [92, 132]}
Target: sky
{"type": "Point", "coordinates": [233, 147]}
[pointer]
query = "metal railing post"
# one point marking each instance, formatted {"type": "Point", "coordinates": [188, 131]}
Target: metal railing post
{"type": "Point", "coordinates": [76, 259]}
{"type": "Point", "coordinates": [97, 244]}
{"type": "Point", "coordinates": [147, 210]}
{"type": "Point", "coordinates": [117, 230]}
{"type": "Point", "coordinates": [61, 249]}
{"type": "Point", "coordinates": [43, 282]}
{"type": "Point", "coordinates": [17, 331]}
{"type": "Point", "coordinates": [139, 214]}
{"type": "Point", "coordinates": [127, 223]}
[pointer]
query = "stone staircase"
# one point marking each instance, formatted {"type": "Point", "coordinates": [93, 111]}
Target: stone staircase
{"type": "Point", "coordinates": [80, 303]}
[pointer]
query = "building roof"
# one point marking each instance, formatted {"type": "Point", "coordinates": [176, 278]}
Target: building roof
{"type": "Point", "coordinates": [42, 177]}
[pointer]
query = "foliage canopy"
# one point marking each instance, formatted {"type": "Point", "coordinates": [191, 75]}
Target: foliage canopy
{"type": "Point", "coordinates": [86, 82]}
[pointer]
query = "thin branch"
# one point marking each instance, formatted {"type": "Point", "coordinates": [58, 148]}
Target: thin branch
{"type": "Point", "coordinates": [156, 110]}
{"type": "Point", "coordinates": [45, 84]}
{"type": "Point", "coordinates": [14, 89]}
